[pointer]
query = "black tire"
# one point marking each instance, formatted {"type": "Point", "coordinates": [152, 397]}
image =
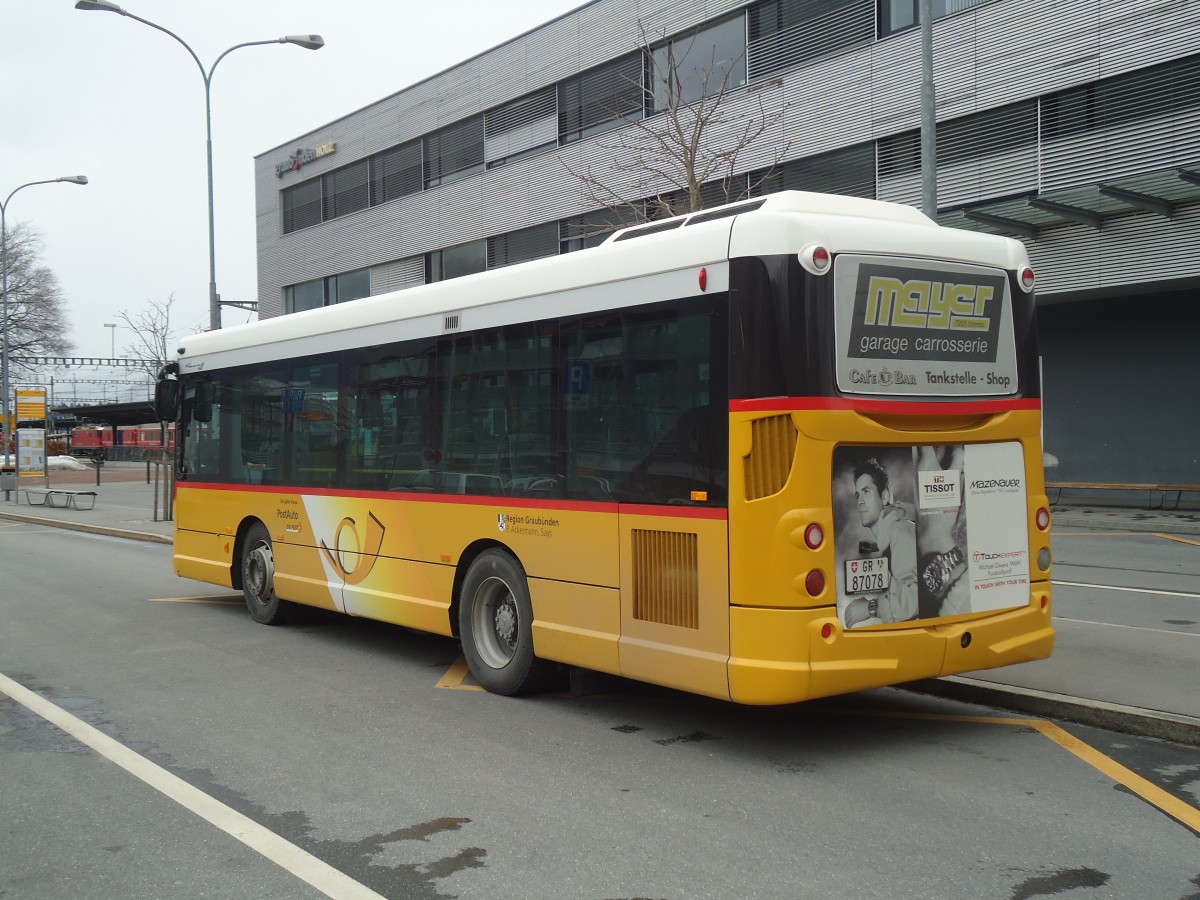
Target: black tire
{"type": "Point", "coordinates": [258, 578]}
{"type": "Point", "coordinates": [495, 622]}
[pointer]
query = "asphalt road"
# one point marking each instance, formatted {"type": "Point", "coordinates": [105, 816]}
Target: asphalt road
{"type": "Point", "coordinates": [271, 762]}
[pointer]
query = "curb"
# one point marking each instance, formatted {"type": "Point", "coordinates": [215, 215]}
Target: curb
{"type": "Point", "coordinates": [1096, 713]}
{"type": "Point", "coordinates": [1076, 517]}
{"type": "Point", "coordinates": [91, 529]}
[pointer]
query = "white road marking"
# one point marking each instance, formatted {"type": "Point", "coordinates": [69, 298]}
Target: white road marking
{"type": "Point", "coordinates": [1113, 587]}
{"type": "Point", "coordinates": [1117, 625]}
{"type": "Point", "coordinates": [322, 876]}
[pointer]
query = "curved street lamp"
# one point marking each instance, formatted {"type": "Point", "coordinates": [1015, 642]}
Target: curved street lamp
{"type": "Point", "coordinates": [307, 41]}
{"type": "Point", "coordinates": [69, 179]}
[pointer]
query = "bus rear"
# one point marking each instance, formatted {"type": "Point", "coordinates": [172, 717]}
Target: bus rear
{"type": "Point", "coordinates": [887, 510]}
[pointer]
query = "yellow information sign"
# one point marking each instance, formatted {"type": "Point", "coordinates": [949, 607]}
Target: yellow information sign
{"type": "Point", "coordinates": [31, 404]}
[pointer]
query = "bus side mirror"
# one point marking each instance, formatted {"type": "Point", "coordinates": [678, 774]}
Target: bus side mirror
{"type": "Point", "coordinates": [166, 399]}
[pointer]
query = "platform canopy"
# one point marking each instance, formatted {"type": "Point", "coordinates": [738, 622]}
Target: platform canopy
{"type": "Point", "coordinates": [137, 412]}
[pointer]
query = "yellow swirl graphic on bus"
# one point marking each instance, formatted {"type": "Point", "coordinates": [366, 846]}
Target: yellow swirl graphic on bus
{"type": "Point", "coordinates": [353, 555]}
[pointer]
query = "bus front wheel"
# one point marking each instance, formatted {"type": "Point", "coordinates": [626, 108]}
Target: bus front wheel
{"type": "Point", "coordinates": [258, 578]}
{"type": "Point", "coordinates": [495, 621]}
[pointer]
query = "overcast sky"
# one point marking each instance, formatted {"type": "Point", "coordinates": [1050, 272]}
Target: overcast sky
{"type": "Point", "coordinates": [102, 95]}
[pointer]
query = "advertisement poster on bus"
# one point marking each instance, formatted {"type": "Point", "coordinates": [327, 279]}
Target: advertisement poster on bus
{"type": "Point", "coordinates": [927, 532]}
{"type": "Point", "coordinates": [916, 328]}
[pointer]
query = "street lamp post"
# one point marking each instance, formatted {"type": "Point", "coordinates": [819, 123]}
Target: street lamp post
{"type": "Point", "coordinates": [307, 41]}
{"type": "Point", "coordinates": [69, 179]}
{"type": "Point", "coordinates": [113, 332]}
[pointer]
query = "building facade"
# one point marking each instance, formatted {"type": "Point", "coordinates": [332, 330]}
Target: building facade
{"type": "Point", "coordinates": [1073, 126]}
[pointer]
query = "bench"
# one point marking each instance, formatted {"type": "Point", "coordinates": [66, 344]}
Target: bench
{"type": "Point", "coordinates": [60, 498]}
{"type": "Point", "coordinates": [1151, 490]}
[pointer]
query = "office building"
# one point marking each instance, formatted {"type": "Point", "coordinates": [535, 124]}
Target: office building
{"type": "Point", "coordinates": [1072, 126]}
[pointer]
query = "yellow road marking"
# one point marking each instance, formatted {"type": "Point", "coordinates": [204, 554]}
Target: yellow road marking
{"type": "Point", "coordinates": [1171, 537]}
{"type": "Point", "coordinates": [1151, 793]}
{"type": "Point", "coordinates": [455, 676]}
{"type": "Point", "coordinates": [220, 601]}
{"type": "Point", "coordinates": [1164, 801]}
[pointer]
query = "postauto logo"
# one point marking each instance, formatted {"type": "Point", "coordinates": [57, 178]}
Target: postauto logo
{"type": "Point", "coordinates": [352, 553]}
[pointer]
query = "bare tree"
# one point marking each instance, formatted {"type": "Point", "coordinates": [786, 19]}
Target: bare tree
{"type": "Point", "coordinates": [37, 317]}
{"type": "Point", "coordinates": [153, 341]}
{"type": "Point", "coordinates": [683, 154]}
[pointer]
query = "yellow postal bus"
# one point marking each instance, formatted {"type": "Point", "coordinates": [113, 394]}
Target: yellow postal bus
{"type": "Point", "coordinates": [776, 450]}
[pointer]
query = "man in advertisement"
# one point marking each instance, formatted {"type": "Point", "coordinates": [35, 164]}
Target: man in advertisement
{"type": "Point", "coordinates": [893, 536]}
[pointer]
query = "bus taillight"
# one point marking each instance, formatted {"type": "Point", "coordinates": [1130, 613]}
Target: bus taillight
{"type": "Point", "coordinates": [1042, 518]}
{"type": "Point", "coordinates": [1027, 279]}
{"type": "Point", "coordinates": [815, 583]}
{"type": "Point", "coordinates": [815, 259]}
{"type": "Point", "coordinates": [814, 536]}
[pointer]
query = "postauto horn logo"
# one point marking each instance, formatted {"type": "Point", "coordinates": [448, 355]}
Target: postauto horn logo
{"type": "Point", "coordinates": [353, 555]}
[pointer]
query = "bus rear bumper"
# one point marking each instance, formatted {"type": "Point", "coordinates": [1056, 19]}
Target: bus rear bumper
{"type": "Point", "coordinates": [792, 660]}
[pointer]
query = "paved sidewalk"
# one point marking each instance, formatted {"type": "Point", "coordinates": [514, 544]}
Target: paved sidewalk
{"type": "Point", "coordinates": [125, 503]}
{"type": "Point", "coordinates": [1096, 676]}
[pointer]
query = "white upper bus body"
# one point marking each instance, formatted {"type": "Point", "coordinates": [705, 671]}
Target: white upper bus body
{"type": "Point", "coordinates": [650, 263]}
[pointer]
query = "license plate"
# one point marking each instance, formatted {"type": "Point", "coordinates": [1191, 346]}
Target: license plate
{"type": "Point", "coordinates": [867, 576]}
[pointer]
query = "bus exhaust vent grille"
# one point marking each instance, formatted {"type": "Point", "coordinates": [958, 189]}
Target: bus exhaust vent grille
{"type": "Point", "coordinates": [666, 578]}
{"type": "Point", "coordinates": [771, 453]}
{"type": "Point", "coordinates": [451, 322]}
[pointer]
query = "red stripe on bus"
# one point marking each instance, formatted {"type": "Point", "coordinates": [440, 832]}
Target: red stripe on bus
{"type": "Point", "coordinates": [897, 407]}
{"type": "Point", "coordinates": [638, 509]}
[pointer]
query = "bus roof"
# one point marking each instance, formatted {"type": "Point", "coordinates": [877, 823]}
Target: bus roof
{"type": "Point", "coordinates": [667, 252]}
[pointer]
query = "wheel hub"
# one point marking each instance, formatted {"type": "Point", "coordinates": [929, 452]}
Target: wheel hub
{"type": "Point", "coordinates": [506, 622]}
{"type": "Point", "coordinates": [260, 571]}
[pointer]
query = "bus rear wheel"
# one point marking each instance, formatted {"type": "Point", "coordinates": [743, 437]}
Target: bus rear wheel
{"type": "Point", "coordinates": [258, 578]}
{"type": "Point", "coordinates": [495, 622]}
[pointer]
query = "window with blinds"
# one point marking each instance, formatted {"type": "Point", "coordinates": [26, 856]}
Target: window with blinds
{"type": "Point", "coordinates": [787, 33]}
{"type": "Point", "coordinates": [397, 275]}
{"type": "Point", "coordinates": [897, 15]}
{"type": "Point", "coordinates": [327, 291]}
{"type": "Point", "coordinates": [899, 154]}
{"type": "Point", "coordinates": [591, 229]}
{"type": "Point", "coordinates": [345, 190]}
{"type": "Point", "coordinates": [601, 99]}
{"type": "Point", "coordinates": [301, 205]}
{"type": "Point", "coordinates": [454, 152]}
{"type": "Point", "coordinates": [396, 173]}
{"type": "Point", "coordinates": [703, 63]}
{"type": "Point", "coordinates": [1154, 91]}
{"type": "Point", "coordinates": [989, 154]}
{"type": "Point", "coordinates": [848, 170]}
{"type": "Point", "coordinates": [523, 245]}
{"type": "Point", "coordinates": [521, 127]}
{"type": "Point", "coordinates": [451, 262]}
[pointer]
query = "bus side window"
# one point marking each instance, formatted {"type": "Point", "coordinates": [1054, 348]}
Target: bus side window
{"type": "Point", "coordinates": [201, 429]}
